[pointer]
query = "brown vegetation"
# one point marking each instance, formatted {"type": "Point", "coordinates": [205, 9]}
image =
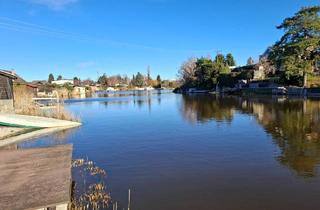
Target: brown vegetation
{"type": "Point", "coordinates": [88, 194]}
{"type": "Point", "coordinates": [25, 105]}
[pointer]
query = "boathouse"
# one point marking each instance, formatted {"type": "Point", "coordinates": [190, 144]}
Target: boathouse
{"type": "Point", "coordinates": [6, 91]}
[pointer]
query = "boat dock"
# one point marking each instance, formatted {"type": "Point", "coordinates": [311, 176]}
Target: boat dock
{"type": "Point", "coordinates": [27, 121]}
{"type": "Point", "coordinates": [36, 178]}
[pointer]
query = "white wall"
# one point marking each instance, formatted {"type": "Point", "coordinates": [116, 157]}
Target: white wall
{"type": "Point", "coordinates": [62, 82]}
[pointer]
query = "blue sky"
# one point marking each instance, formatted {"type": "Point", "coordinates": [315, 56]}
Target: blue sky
{"type": "Point", "coordinates": [85, 38]}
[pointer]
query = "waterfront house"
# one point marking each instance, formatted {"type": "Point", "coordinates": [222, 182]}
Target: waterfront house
{"type": "Point", "coordinates": [6, 91]}
{"type": "Point", "coordinates": [257, 70]}
{"type": "Point", "coordinates": [45, 89]}
{"type": "Point", "coordinates": [94, 88]}
{"type": "Point", "coordinates": [40, 84]}
{"type": "Point", "coordinates": [79, 92]}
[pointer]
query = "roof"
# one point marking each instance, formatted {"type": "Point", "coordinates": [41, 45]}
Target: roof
{"type": "Point", "coordinates": [7, 73]}
{"type": "Point", "coordinates": [39, 82]}
{"type": "Point", "coordinates": [35, 178]}
{"type": "Point", "coordinates": [17, 79]}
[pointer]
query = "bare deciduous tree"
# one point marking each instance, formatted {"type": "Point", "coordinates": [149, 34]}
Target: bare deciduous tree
{"type": "Point", "coordinates": [186, 72]}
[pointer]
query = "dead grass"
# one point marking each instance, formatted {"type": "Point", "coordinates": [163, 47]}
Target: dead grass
{"type": "Point", "coordinates": [89, 190]}
{"type": "Point", "coordinates": [25, 105]}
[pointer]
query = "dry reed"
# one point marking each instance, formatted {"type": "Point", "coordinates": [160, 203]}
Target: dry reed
{"type": "Point", "coordinates": [89, 190]}
{"type": "Point", "coordinates": [25, 105]}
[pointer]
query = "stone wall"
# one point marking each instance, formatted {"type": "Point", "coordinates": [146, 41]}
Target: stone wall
{"type": "Point", "coordinates": [6, 106]}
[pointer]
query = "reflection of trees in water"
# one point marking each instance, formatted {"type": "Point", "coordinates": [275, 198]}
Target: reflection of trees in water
{"type": "Point", "coordinates": [294, 124]}
{"type": "Point", "coordinates": [116, 102]}
{"type": "Point", "coordinates": [203, 108]}
{"type": "Point", "coordinates": [145, 99]}
{"type": "Point", "coordinates": [138, 98]}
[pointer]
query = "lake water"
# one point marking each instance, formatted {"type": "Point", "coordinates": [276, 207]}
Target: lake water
{"type": "Point", "coordinates": [200, 152]}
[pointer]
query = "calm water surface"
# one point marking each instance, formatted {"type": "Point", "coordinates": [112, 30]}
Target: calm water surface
{"type": "Point", "coordinates": [200, 152]}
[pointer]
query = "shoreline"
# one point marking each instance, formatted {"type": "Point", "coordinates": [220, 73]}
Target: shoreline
{"type": "Point", "coordinates": [271, 91]}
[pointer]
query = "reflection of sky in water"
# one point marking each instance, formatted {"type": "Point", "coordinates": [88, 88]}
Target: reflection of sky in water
{"type": "Point", "coordinates": [192, 152]}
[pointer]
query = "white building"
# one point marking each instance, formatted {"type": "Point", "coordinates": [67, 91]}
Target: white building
{"type": "Point", "coordinates": [110, 89]}
{"type": "Point", "coordinates": [62, 82]}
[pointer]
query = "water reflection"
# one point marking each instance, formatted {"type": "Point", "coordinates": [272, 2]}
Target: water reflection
{"type": "Point", "coordinates": [259, 152]}
{"type": "Point", "coordinates": [138, 98]}
{"type": "Point", "coordinates": [59, 138]}
{"type": "Point", "coordinates": [204, 108]}
{"type": "Point", "coordinates": [294, 124]}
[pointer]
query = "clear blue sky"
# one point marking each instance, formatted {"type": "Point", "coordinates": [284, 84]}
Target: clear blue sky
{"type": "Point", "coordinates": [85, 37]}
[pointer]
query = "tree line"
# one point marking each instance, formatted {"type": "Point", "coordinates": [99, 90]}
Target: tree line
{"type": "Point", "coordinates": [204, 73]}
{"type": "Point", "coordinates": [294, 57]}
{"type": "Point", "coordinates": [137, 80]}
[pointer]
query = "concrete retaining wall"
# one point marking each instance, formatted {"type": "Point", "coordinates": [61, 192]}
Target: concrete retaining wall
{"type": "Point", "coordinates": [6, 106]}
